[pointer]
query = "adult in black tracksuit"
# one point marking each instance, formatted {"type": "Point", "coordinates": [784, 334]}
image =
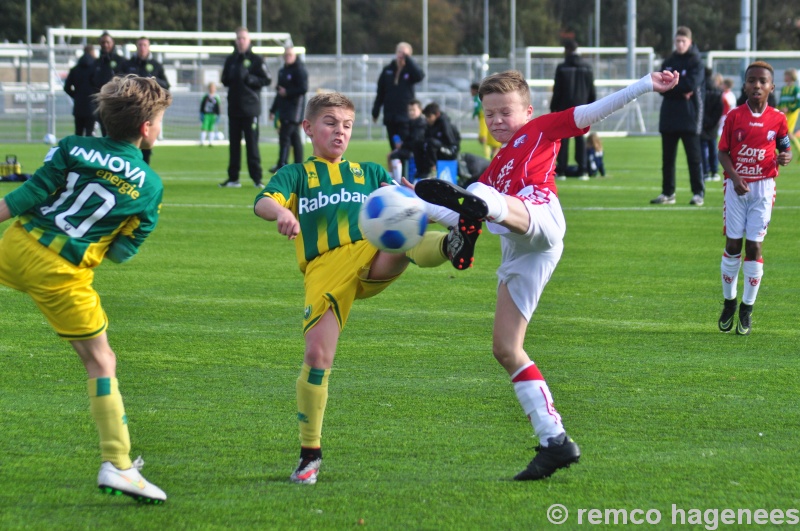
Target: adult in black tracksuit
{"type": "Point", "coordinates": [289, 105]}
{"type": "Point", "coordinates": [395, 92]}
{"type": "Point", "coordinates": [245, 74]}
{"type": "Point", "coordinates": [78, 87]}
{"type": "Point", "coordinates": [108, 65]}
{"type": "Point", "coordinates": [573, 85]}
{"type": "Point", "coordinates": [682, 119]}
{"type": "Point", "coordinates": [144, 65]}
{"type": "Point", "coordinates": [442, 142]}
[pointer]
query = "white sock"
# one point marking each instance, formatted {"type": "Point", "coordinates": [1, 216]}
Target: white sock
{"type": "Point", "coordinates": [753, 271]}
{"type": "Point", "coordinates": [729, 269]}
{"type": "Point", "coordinates": [397, 170]}
{"type": "Point", "coordinates": [537, 402]}
{"type": "Point", "coordinates": [443, 216]}
{"type": "Point", "coordinates": [498, 207]}
{"type": "Point", "coordinates": [202, 136]}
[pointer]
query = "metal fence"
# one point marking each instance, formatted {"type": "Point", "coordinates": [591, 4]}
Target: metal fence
{"type": "Point", "coordinates": [28, 111]}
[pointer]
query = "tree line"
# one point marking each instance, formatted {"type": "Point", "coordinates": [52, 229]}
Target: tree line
{"type": "Point", "coordinates": [455, 26]}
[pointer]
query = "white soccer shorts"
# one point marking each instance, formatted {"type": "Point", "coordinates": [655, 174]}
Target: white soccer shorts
{"type": "Point", "coordinates": [748, 214]}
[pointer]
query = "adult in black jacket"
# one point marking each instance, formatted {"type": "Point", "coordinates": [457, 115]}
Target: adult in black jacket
{"type": "Point", "coordinates": [78, 87]}
{"type": "Point", "coordinates": [573, 86]}
{"type": "Point", "coordinates": [682, 119]}
{"type": "Point", "coordinates": [395, 92]}
{"type": "Point", "coordinates": [108, 65]}
{"type": "Point", "coordinates": [442, 142]}
{"type": "Point", "coordinates": [144, 65]}
{"type": "Point", "coordinates": [245, 74]}
{"type": "Point", "coordinates": [289, 105]}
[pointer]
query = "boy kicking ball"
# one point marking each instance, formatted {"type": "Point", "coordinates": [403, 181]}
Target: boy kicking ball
{"type": "Point", "coordinates": [750, 137]}
{"type": "Point", "coordinates": [316, 204]}
{"type": "Point", "coordinates": [93, 198]}
{"type": "Point", "coordinates": [517, 196]}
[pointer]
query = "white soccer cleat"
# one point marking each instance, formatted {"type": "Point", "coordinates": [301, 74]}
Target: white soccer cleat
{"type": "Point", "coordinates": [112, 480]}
{"type": "Point", "coordinates": [306, 471]}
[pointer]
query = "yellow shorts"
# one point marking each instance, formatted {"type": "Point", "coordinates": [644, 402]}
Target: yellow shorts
{"type": "Point", "coordinates": [336, 278]}
{"type": "Point", "coordinates": [791, 120]}
{"type": "Point", "coordinates": [61, 290]}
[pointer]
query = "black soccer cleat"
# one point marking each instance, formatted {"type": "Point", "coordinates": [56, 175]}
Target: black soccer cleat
{"type": "Point", "coordinates": [459, 244]}
{"type": "Point", "coordinates": [743, 326]}
{"type": "Point", "coordinates": [443, 193]}
{"type": "Point", "coordinates": [561, 453]}
{"type": "Point", "coordinates": [726, 318]}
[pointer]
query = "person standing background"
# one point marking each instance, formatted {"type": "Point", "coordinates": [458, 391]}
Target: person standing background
{"type": "Point", "coordinates": [245, 74]}
{"type": "Point", "coordinates": [144, 65]}
{"type": "Point", "coordinates": [573, 86]}
{"type": "Point", "coordinates": [108, 64]}
{"type": "Point", "coordinates": [209, 115]}
{"type": "Point", "coordinates": [288, 106]}
{"type": "Point", "coordinates": [681, 119]}
{"type": "Point", "coordinates": [712, 114]}
{"type": "Point", "coordinates": [395, 92]}
{"type": "Point", "coordinates": [78, 86]}
{"type": "Point", "coordinates": [789, 103]}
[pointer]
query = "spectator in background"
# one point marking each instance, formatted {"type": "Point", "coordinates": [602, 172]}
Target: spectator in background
{"type": "Point", "coordinates": [681, 119]}
{"type": "Point", "coordinates": [728, 102]}
{"type": "Point", "coordinates": [143, 64]}
{"type": "Point", "coordinates": [712, 114]}
{"type": "Point", "coordinates": [78, 86]}
{"type": "Point", "coordinates": [395, 92]}
{"type": "Point", "coordinates": [442, 142]}
{"type": "Point", "coordinates": [594, 155]}
{"type": "Point", "coordinates": [209, 115]}
{"type": "Point", "coordinates": [108, 64]}
{"type": "Point", "coordinates": [573, 86]}
{"type": "Point", "coordinates": [245, 74]}
{"type": "Point", "coordinates": [417, 126]}
{"type": "Point", "coordinates": [289, 105]}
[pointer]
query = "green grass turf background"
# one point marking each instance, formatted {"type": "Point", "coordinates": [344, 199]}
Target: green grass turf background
{"type": "Point", "coordinates": [422, 430]}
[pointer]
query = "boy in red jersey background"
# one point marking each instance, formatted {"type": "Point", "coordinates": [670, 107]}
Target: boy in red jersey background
{"type": "Point", "coordinates": [752, 134]}
{"type": "Point", "coordinates": [517, 195]}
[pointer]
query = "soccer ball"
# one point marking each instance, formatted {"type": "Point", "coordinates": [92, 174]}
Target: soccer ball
{"type": "Point", "coordinates": [50, 139]}
{"type": "Point", "coordinates": [393, 219]}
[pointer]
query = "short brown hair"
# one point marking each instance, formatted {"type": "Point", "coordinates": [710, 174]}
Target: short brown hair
{"type": "Point", "coordinates": [326, 100]}
{"type": "Point", "coordinates": [760, 64]}
{"type": "Point", "coordinates": [125, 103]}
{"type": "Point", "coordinates": [684, 31]}
{"type": "Point", "coordinates": [504, 83]}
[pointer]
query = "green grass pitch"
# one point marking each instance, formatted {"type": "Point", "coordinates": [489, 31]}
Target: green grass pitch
{"type": "Point", "coordinates": [423, 430]}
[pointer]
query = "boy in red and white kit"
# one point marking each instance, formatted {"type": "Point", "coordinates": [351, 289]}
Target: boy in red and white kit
{"type": "Point", "coordinates": [517, 195]}
{"type": "Point", "coordinates": [752, 133]}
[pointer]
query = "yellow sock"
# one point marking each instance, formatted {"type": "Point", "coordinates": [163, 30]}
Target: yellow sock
{"type": "Point", "coordinates": [108, 413]}
{"type": "Point", "coordinates": [429, 252]}
{"type": "Point", "coordinates": [312, 396]}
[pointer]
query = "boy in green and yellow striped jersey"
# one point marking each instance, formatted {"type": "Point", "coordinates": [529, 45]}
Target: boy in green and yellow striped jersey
{"type": "Point", "coordinates": [317, 204]}
{"type": "Point", "coordinates": [93, 198]}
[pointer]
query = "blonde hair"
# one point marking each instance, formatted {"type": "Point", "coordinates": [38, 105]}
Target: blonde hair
{"type": "Point", "coordinates": [505, 83]}
{"type": "Point", "coordinates": [593, 140]}
{"type": "Point", "coordinates": [792, 73]}
{"type": "Point", "coordinates": [325, 100]}
{"type": "Point", "coordinates": [125, 103]}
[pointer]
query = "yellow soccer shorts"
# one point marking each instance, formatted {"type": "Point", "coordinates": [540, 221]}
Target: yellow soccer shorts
{"type": "Point", "coordinates": [61, 290]}
{"type": "Point", "coordinates": [791, 120]}
{"type": "Point", "coordinates": [338, 277]}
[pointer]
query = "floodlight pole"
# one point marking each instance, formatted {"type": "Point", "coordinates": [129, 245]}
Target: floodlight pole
{"type": "Point", "coordinates": [425, 44]}
{"type": "Point", "coordinates": [513, 29]}
{"type": "Point", "coordinates": [339, 45]}
{"type": "Point", "coordinates": [83, 20]}
{"type": "Point", "coordinates": [141, 15]}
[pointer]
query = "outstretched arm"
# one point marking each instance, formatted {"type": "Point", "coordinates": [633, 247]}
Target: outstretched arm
{"type": "Point", "coordinates": [586, 115]}
{"type": "Point", "coordinates": [269, 209]}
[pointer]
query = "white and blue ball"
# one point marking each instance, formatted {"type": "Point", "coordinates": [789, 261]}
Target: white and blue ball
{"type": "Point", "coordinates": [393, 219]}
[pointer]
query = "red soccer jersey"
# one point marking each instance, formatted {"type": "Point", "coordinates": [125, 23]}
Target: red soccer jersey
{"type": "Point", "coordinates": [751, 141]}
{"type": "Point", "coordinates": [528, 161]}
